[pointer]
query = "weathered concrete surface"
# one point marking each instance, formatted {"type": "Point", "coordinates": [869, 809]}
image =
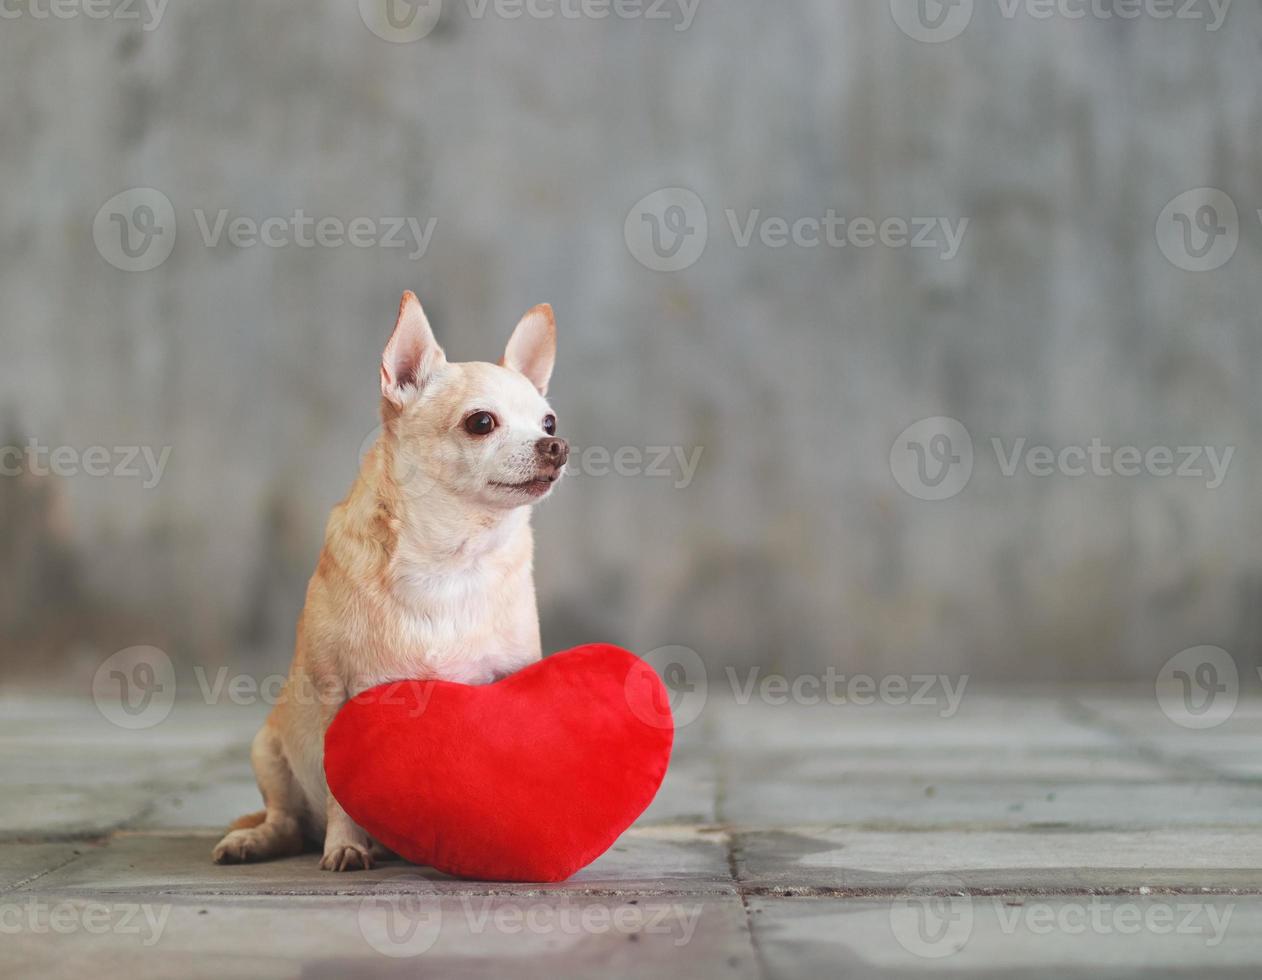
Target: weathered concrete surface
{"type": "Point", "coordinates": [1232, 749]}
{"type": "Point", "coordinates": [919, 803]}
{"type": "Point", "coordinates": [976, 726]}
{"type": "Point", "coordinates": [1038, 861]}
{"type": "Point", "coordinates": [21, 864]}
{"type": "Point", "coordinates": [993, 762]}
{"type": "Point", "coordinates": [645, 860]}
{"type": "Point", "coordinates": [788, 842]}
{"type": "Point", "coordinates": [1012, 937]}
{"type": "Point", "coordinates": [371, 937]}
{"type": "Point", "coordinates": [69, 772]}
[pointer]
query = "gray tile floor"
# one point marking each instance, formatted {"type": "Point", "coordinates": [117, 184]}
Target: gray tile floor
{"type": "Point", "coordinates": [1071, 834]}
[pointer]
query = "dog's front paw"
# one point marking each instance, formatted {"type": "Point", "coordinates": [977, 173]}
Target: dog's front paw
{"type": "Point", "coordinates": [239, 847]}
{"type": "Point", "coordinates": [346, 857]}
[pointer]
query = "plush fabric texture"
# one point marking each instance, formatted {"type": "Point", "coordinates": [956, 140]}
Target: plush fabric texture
{"type": "Point", "coordinates": [527, 779]}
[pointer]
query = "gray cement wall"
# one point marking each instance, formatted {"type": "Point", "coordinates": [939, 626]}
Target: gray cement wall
{"type": "Point", "coordinates": [1059, 320]}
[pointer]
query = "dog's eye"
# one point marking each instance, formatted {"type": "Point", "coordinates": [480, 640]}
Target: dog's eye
{"type": "Point", "coordinates": [480, 424]}
{"type": "Point", "coordinates": [550, 425]}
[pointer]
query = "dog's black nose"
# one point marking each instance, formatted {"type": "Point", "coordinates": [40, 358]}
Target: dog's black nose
{"type": "Point", "coordinates": [553, 450]}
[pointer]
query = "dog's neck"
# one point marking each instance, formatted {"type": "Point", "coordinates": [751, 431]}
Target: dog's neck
{"type": "Point", "coordinates": [429, 533]}
{"type": "Point", "coordinates": [439, 533]}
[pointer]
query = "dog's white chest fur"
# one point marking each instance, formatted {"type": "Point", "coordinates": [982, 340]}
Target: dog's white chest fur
{"type": "Point", "coordinates": [468, 619]}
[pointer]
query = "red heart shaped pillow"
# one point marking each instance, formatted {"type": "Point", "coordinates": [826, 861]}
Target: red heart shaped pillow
{"type": "Point", "coordinates": [527, 779]}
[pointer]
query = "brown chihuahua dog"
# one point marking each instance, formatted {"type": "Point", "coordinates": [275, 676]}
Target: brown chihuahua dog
{"type": "Point", "coordinates": [426, 570]}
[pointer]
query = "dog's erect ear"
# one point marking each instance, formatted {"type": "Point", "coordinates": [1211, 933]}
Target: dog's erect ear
{"type": "Point", "coordinates": [412, 354]}
{"type": "Point", "coordinates": [532, 349]}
